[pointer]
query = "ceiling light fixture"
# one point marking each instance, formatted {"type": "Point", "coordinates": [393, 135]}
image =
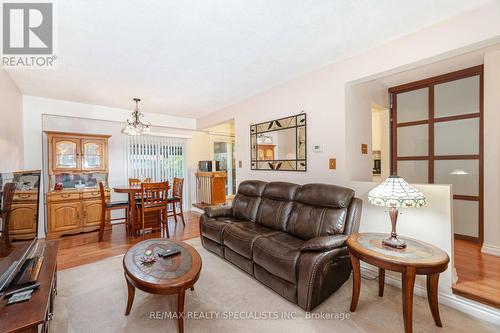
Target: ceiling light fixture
{"type": "Point", "coordinates": [134, 124]}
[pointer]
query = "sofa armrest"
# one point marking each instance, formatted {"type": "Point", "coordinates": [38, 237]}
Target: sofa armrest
{"type": "Point", "coordinates": [219, 211]}
{"type": "Point", "coordinates": [324, 243]}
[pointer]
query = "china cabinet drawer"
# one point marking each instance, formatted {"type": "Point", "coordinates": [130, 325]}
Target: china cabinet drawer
{"type": "Point", "coordinates": [63, 196]}
{"type": "Point", "coordinates": [93, 194]}
{"type": "Point", "coordinates": [27, 196]}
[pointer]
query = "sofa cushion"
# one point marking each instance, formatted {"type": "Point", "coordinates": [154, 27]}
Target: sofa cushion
{"type": "Point", "coordinates": [276, 205]}
{"type": "Point", "coordinates": [247, 200]}
{"type": "Point", "coordinates": [240, 237]}
{"type": "Point", "coordinates": [308, 222]}
{"type": "Point", "coordinates": [212, 228]}
{"type": "Point", "coordinates": [320, 210]}
{"type": "Point", "coordinates": [324, 195]}
{"type": "Point", "coordinates": [279, 255]}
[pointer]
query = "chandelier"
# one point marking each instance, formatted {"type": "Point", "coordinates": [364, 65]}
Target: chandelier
{"type": "Point", "coordinates": [134, 124]}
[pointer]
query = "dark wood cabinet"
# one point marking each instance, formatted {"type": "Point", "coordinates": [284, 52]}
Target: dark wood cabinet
{"type": "Point", "coordinates": [35, 314]}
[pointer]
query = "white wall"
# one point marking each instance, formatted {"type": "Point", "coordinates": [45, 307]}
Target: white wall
{"type": "Point", "coordinates": [325, 97]}
{"type": "Point", "coordinates": [10, 125]}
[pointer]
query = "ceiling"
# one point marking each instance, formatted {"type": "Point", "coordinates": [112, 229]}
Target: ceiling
{"type": "Point", "coordinates": [191, 57]}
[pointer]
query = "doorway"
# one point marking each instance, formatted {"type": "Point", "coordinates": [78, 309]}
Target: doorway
{"type": "Point", "coordinates": [222, 150]}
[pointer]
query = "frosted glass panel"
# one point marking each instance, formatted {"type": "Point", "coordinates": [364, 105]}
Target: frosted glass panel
{"type": "Point", "coordinates": [462, 174]}
{"type": "Point", "coordinates": [413, 140]}
{"type": "Point", "coordinates": [414, 172]}
{"type": "Point", "coordinates": [456, 97]}
{"type": "Point", "coordinates": [466, 217]}
{"type": "Point", "coordinates": [459, 137]}
{"type": "Point", "coordinates": [413, 105]}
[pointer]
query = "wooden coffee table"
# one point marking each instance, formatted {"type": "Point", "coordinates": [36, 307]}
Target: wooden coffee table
{"type": "Point", "coordinates": [168, 276]}
{"type": "Point", "coordinates": [417, 258]}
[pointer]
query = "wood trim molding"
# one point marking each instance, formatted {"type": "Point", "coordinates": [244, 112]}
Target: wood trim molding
{"type": "Point", "coordinates": [413, 123]}
{"type": "Point", "coordinates": [68, 134]}
{"type": "Point", "coordinates": [458, 117]}
{"type": "Point", "coordinates": [466, 197]}
{"type": "Point", "coordinates": [461, 74]}
{"type": "Point", "coordinates": [467, 238]}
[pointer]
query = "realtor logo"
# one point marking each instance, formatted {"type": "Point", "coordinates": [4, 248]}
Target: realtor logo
{"type": "Point", "coordinates": [28, 34]}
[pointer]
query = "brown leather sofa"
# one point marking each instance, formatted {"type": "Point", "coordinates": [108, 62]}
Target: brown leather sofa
{"type": "Point", "coordinates": [291, 238]}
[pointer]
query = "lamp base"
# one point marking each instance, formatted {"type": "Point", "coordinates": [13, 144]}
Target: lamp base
{"type": "Point", "coordinates": [395, 242]}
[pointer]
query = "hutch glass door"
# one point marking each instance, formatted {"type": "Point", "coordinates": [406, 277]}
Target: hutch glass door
{"type": "Point", "coordinates": [66, 154]}
{"type": "Point", "coordinates": [93, 154]}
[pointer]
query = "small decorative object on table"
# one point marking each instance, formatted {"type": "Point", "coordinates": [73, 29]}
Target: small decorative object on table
{"type": "Point", "coordinates": [395, 193]}
{"type": "Point", "coordinates": [148, 258]}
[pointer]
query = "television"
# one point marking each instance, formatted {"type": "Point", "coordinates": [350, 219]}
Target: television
{"type": "Point", "coordinates": [18, 221]}
{"type": "Point", "coordinates": [208, 166]}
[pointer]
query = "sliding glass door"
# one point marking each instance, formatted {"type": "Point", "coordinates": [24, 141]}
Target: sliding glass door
{"type": "Point", "coordinates": [437, 138]}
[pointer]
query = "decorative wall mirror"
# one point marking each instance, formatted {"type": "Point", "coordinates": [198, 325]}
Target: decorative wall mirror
{"type": "Point", "coordinates": [279, 144]}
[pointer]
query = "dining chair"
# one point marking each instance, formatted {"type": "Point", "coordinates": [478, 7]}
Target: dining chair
{"type": "Point", "coordinates": [154, 198]}
{"type": "Point", "coordinates": [108, 206]}
{"type": "Point", "coordinates": [137, 181]}
{"type": "Point", "coordinates": [176, 198]}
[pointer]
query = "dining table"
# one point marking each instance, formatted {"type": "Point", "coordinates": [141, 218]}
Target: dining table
{"type": "Point", "coordinates": [132, 191]}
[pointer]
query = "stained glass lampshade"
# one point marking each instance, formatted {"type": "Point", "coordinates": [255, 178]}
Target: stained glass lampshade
{"type": "Point", "coordinates": [396, 193]}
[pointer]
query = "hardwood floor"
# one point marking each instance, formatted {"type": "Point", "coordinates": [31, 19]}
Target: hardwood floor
{"type": "Point", "coordinates": [84, 248]}
{"type": "Point", "coordinates": [478, 273]}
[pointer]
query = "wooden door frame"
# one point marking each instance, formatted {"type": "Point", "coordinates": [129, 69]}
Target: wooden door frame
{"type": "Point", "coordinates": [430, 157]}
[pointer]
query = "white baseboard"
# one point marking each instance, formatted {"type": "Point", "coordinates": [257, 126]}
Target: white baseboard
{"type": "Point", "coordinates": [494, 250]}
{"type": "Point", "coordinates": [469, 307]}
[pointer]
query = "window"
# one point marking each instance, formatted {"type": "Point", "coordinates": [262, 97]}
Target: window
{"type": "Point", "coordinates": [157, 157]}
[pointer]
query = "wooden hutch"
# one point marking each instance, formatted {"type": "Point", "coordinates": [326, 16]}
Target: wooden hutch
{"type": "Point", "coordinates": [75, 156]}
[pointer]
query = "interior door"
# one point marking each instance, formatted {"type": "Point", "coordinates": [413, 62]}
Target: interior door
{"type": "Point", "coordinates": [437, 138]}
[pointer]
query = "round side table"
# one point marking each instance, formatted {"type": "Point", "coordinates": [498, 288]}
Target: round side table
{"type": "Point", "coordinates": [417, 258]}
{"type": "Point", "coordinates": [164, 276]}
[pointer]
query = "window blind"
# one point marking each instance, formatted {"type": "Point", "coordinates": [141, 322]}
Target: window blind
{"type": "Point", "coordinates": [160, 158]}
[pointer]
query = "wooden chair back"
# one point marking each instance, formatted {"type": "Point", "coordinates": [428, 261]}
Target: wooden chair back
{"type": "Point", "coordinates": [154, 195]}
{"type": "Point", "coordinates": [137, 181]}
{"type": "Point", "coordinates": [178, 188]}
{"type": "Point", "coordinates": [102, 194]}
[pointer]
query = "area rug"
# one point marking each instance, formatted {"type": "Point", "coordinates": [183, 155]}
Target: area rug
{"type": "Point", "coordinates": [92, 298]}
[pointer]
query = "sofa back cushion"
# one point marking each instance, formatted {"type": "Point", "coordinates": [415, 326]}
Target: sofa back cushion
{"type": "Point", "coordinates": [247, 200]}
{"type": "Point", "coordinates": [319, 210]}
{"type": "Point", "coordinates": [276, 205]}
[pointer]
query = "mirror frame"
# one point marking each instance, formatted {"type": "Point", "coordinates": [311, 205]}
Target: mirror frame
{"type": "Point", "coordinates": [299, 163]}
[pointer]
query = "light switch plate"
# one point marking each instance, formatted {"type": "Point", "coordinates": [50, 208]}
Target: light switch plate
{"type": "Point", "coordinates": [318, 148]}
{"type": "Point", "coordinates": [364, 149]}
{"type": "Point", "coordinates": [240, 164]}
{"type": "Point", "coordinates": [332, 164]}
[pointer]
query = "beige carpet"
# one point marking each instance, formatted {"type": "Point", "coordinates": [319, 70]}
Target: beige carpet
{"type": "Point", "coordinates": [92, 298]}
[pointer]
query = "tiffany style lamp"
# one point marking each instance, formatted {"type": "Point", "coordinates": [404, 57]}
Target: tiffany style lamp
{"type": "Point", "coordinates": [395, 193]}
